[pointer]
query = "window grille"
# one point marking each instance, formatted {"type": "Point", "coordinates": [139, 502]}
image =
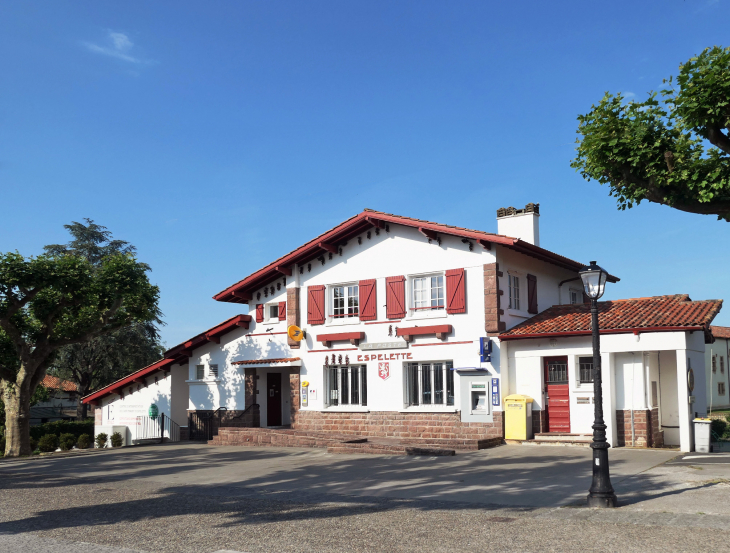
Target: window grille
{"type": "Point", "coordinates": [514, 291]}
{"type": "Point", "coordinates": [722, 364]}
{"type": "Point", "coordinates": [347, 385]}
{"type": "Point", "coordinates": [721, 388]}
{"type": "Point", "coordinates": [557, 372]}
{"type": "Point", "coordinates": [585, 365]}
{"type": "Point", "coordinates": [714, 363]}
{"type": "Point", "coordinates": [199, 372]}
{"type": "Point", "coordinates": [213, 371]}
{"type": "Point", "coordinates": [430, 383]}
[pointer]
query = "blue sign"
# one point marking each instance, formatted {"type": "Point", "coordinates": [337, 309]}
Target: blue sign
{"type": "Point", "coordinates": [485, 350]}
{"type": "Point", "coordinates": [495, 392]}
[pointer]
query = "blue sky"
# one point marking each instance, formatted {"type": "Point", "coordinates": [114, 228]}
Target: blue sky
{"type": "Point", "coordinates": [216, 136]}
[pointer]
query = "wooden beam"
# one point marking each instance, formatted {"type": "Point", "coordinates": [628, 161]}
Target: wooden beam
{"type": "Point", "coordinates": [486, 244]}
{"type": "Point", "coordinates": [141, 381]}
{"type": "Point", "coordinates": [375, 222]}
{"type": "Point", "coordinates": [428, 233]}
{"type": "Point", "coordinates": [328, 247]}
{"type": "Point", "coordinates": [214, 339]}
{"type": "Point", "coordinates": [283, 270]}
{"type": "Point", "coordinates": [243, 324]}
{"type": "Point", "coordinates": [242, 295]}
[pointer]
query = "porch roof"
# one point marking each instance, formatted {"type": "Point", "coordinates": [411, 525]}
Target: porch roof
{"type": "Point", "coordinates": [653, 314]}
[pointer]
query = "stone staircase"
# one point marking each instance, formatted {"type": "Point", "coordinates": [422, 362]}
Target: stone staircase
{"type": "Point", "coordinates": [344, 443]}
{"type": "Point", "coordinates": [557, 439]}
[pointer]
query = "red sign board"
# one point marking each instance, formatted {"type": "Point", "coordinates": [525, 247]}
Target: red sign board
{"type": "Point", "coordinates": [384, 370]}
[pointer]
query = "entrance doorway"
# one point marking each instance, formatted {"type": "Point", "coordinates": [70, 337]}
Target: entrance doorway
{"type": "Point", "coordinates": [557, 395]}
{"type": "Point", "coordinates": [273, 399]}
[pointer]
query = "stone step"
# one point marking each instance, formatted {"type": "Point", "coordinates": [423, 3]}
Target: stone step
{"type": "Point", "coordinates": [548, 443]}
{"type": "Point", "coordinates": [563, 437]}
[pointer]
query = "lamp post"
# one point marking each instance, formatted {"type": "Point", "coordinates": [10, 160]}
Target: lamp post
{"type": "Point", "coordinates": [601, 493]}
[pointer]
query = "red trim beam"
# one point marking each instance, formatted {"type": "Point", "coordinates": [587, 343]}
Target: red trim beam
{"type": "Point", "coordinates": [439, 330]}
{"type": "Point", "coordinates": [353, 337]}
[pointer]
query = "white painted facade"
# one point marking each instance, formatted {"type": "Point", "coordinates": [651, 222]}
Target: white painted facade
{"type": "Point", "coordinates": [718, 394]}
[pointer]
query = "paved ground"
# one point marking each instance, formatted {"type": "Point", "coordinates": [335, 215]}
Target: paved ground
{"type": "Point", "coordinates": [194, 498]}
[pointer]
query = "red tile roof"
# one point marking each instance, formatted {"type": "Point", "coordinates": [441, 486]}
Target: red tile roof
{"type": "Point", "coordinates": [262, 361]}
{"type": "Point", "coordinates": [369, 218]}
{"type": "Point", "coordinates": [720, 332]}
{"type": "Point", "coordinates": [656, 313]}
{"type": "Point", "coordinates": [54, 383]}
{"type": "Point", "coordinates": [179, 354]}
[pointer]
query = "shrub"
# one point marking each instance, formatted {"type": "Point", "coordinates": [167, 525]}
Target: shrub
{"type": "Point", "coordinates": [117, 440]}
{"type": "Point", "coordinates": [100, 440]}
{"type": "Point", "coordinates": [48, 443]}
{"type": "Point", "coordinates": [33, 444]}
{"type": "Point", "coordinates": [67, 441]}
{"type": "Point", "coordinates": [84, 441]}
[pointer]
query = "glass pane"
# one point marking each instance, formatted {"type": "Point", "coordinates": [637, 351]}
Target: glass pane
{"type": "Point", "coordinates": [449, 384]}
{"type": "Point", "coordinates": [413, 384]}
{"type": "Point", "coordinates": [344, 388]}
{"type": "Point", "coordinates": [438, 383]}
{"type": "Point", "coordinates": [200, 372]}
{"type": "Point", "coordinates": [479, 401]}
{"type": "Point", "coordinates": [437, 291]}
{"type": "Point", "coordinates": [355, 385]}
{"type": "Point", "coordinates": [557, 372]}
{"type": "Point", "coordinates": [352, 300]}
{"type": "Point", "coordinates": [426, 384]}
{"type": "Point", "coordinates": [273, 312]}
{"type": "Point", "coordinates": [419, 293]}
{"type": "Point", "coordinates": [586, 369]}
{"type": "Point", "coordinates": [334, 397]}
{"type": "Point", "coordinates": [364, 376]}
{"type": "Point", "coordinates": [338, 301]}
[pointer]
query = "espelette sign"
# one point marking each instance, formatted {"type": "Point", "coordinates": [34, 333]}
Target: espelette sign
{"type": "Point", "coordinates": [384, 356]}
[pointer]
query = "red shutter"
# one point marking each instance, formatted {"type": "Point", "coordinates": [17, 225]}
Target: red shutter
{"type": "Point", "coordinates": [531, 294]}
{"type": "Point", "coordinates": [315, 305]}
{"type": "Point", "coordinates": [259, 312]}
{"type": "Point", "coordinates": [395, 297]}
{"type": "Point", "coordinates": [455, 291]}
{"type": "Point", "coordinates": [368, 305]}
{"type": "Point", "coordinates": [282, 311]}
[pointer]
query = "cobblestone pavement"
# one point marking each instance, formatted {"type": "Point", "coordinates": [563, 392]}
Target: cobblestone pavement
{"type": "Point", "coordinates": [116, 502]}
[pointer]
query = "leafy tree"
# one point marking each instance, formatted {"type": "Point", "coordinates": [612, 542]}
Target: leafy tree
{"type": "Point", "coordinates": [670, 149]}
{"type": "Point", "coordinates": [51, 301]}
{"type": "Point", "coordinates": [104, 359]}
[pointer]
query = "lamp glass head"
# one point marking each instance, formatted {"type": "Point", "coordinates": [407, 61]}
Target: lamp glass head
{"type": "Point", "coordinates": [594, 280]}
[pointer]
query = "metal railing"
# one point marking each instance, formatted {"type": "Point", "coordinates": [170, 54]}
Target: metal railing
{"type": "Point", "coordinates": [204, 425]}
{"type": "Point", "coordinates": [161, 428]}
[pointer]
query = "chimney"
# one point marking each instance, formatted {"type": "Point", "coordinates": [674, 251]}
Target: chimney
{"type": "Point", "coordinates": [520, 223]}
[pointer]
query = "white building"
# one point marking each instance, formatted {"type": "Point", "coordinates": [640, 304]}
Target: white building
{"type": "Point", "coordinates": [403, 322]}
{"type": "Point", "coordinates": [717, 355]}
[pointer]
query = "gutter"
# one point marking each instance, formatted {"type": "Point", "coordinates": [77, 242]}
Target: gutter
{"type": "Point", "coordinates": [504, 338]}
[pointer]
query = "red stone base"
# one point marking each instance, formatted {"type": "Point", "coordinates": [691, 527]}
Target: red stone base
{"type": "Point", "coordinates": [393, 424]}
{"type": "Point", "coordinates": [647, 429]}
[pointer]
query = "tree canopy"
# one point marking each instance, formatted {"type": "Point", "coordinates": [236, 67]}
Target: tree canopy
{"type": "Point", "coordinates": [54, 300]}
{"type": "Point", "coordinates": [672, 148]}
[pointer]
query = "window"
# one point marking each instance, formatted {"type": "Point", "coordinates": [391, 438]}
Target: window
{"type": "Point", "coordinates": [273, 311]}
{"type": "Point", "coordinates": [722, 364]}
{"type": "Point", "coordinates": [585, 367]}
{"type": "Point", "coordinates": [721, 388]}
{"type": "Point", "coordinates": [213, 369]}
{"type": "Point", "coordinates": [428, 293]}
{"type": "Point", "coordinates": [430, 383]}
{"type": "Point", "coordinates": [199, 372]}
{"type": "Point", "coordinates": [345, 301]}
{"type": "Point", "coordinates": [514, 291]}
{"type": "Point", "coordinates": [347, 385]}
{"type": "Point", "coordinates": [558, 372]}
{"type": "Point", "coordinates": [575, 297]}
{"type": "Point", "coordinates": [714, 363]}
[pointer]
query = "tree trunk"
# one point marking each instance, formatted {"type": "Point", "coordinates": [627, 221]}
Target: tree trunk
{"type": "Point", "coordinates": [17, 420]}
{"type": "Point", "coordinates": [83, 387]}
{"type": "Point", "coordinates": [81, 409]}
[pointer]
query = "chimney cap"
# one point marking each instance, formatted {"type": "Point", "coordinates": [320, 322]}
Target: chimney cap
{"type": "Point", "coordinates": [508, 211]}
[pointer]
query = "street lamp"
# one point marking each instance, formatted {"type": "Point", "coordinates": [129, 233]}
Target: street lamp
{"type": "Point", "coordinates": [601, 493]}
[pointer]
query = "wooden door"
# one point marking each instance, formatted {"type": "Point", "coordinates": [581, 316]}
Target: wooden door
{"type": "Point", "coordinates": [557, 394]}
{"type": "Point", "coordinates": [273, 399]}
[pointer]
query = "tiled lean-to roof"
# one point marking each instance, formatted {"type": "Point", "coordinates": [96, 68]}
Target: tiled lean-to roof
{"type": "Point", "coordinates": [654, 314]}
{"type": "Point", "coordinates": [333, 239]}
{"type": "Point", "coordinates": [720, 332]}
{"type": "Point", "coordinates": [264, 361]}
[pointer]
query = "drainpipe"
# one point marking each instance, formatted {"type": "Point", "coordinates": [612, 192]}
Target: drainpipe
{"type": "Point", "coordinates": [560, 299]}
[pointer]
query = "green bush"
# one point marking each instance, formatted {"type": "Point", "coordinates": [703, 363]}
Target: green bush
{"type": "Point", "coordinates": [101, 439]}
{"type": "Point", "coordinates": [63, 427]}
{"type": "Point", "coordinates": [48, 443]}
{"type": "Point", "coordinates": [84, 441]}
{"type": "Point", "coordinates": [117, 440]}
{"type": "Point", "coordinates": [67, 441]}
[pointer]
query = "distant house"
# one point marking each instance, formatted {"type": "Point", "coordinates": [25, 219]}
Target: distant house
{"type": "Point", "coordinates": [61, 405]}
{"type": "Point", "coordinates": [716, 366]}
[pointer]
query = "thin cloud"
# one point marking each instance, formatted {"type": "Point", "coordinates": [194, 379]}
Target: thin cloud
{"type": "Point", "coordinates": [119, 46]}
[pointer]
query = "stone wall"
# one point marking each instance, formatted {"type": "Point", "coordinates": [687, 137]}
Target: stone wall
{"type": "Point", "coordinates": [492, 311]}
{"type": "Point", "coordinates": [539, 421]}
{"type": "Point", "coordinates": [400, 425]}
{"type": "Point", "coordinates": [647, 428]}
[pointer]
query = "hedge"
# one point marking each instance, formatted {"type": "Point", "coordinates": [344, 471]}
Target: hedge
{"type": "Point", "coordinates": [63, 427]}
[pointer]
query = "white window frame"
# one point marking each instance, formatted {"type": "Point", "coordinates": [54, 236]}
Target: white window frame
{"type": "Point", "coordinates": [520, 311]}
{"type": "Point", "coordinates": [446, 369]}
{"type": "Point", "coordinates": [199, 368]}
{"type": "Point", "coordinates": [213, 372]}
{"type": "Point", "coordinates": [513, 299]}
{"type": "Point", "coordinates": [578, 296]}
{"type": "Point", "coordinates": [412, 312]}
{"type": "Point", "coordinates": [268, 319]}
{"type": "Point", "coordinates": [330, 303]}
{"type": "Point", "coordinates": [329, 400]}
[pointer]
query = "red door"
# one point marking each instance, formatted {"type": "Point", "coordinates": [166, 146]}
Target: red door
{"type": "Point", "coordinates": [557, 394]}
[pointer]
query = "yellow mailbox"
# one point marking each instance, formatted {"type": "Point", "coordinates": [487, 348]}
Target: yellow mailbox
{"type": "Point", "coordinates": [518, 417]}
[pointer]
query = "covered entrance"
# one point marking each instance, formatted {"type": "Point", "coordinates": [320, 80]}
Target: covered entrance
{"type": "Point", "coordinates": [273, 399]}
{"type": "Point", "coordinates": [557, 394]}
